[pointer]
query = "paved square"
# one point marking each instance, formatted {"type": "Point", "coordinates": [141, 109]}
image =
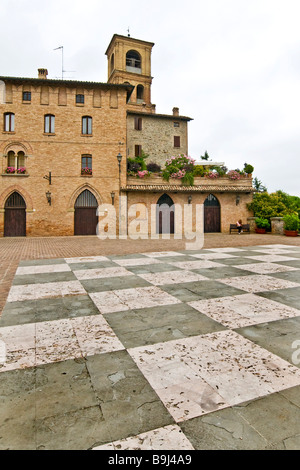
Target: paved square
{"type": "Point", "coordinates": [162, 350]}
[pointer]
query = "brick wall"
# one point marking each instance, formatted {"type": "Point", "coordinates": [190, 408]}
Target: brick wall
{"type": "Point", "coordinates": [61, 151]}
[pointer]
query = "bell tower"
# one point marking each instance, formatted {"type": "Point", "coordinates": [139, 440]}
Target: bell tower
{"type": "Point", "coordinates": [129, 61]}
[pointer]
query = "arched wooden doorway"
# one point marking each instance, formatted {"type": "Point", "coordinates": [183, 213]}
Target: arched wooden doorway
{"type": "Point", "coordinates": [86, 219]}
{"type": "Point", "coordinates": [165, 215]}
{"type": "Point", "coordinates": [212, 219]}
{"type": "Point", "coordinates": [15, 216]}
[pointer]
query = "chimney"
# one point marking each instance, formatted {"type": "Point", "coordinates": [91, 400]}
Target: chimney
{"type": "Point", "coordinates": [175, 111]}
{"type": "Point", "coordinates": [43, 73]}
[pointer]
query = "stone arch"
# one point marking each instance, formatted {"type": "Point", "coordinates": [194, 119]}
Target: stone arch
{"type": "Point", "coordinates": [79, 190]}
{"type": "Point", "coordinates": [19, 189]}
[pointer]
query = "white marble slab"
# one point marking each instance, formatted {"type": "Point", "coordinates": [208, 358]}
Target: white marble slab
{"type": "Point", "coordinates": [42, 269]}
{"type": "Point", "coordinates": [225, 363]}
{"type": "Point", "coordinates": [162, 254]}
{"type": "Point", "coordinates": [172, 277]}
{"type": "Point", "coordinates": [243, 310]}
{"type": "Point", "coordinates": [258, 283]}
{"type": "Point", "coordinates": [126, 299]}
{"type": "Point", "coordinates": [98, 273]}
{"type": "Point", "coordinates": [167, 438]}
{"type": "Point", "coordinates": [209, 256]}
{"type": "Point", "coordinates": [43, 291]}
{"type": "Point", "coordinates": [59, 340]}
{"type": "Point", "coordinates": [86, 259]}
{"type": "Point", "coordinates": [273, 258]}
{"type": "Point", "coordinates": [266, 268]}
{"type": "Point", "coordinates": [198, 264]}
{"type": "Point", "coordinates": [136, 261]}
{"type": "Point", "coordinates": [95, 336]}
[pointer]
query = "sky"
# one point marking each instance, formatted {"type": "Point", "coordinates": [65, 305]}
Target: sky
{"type": "Point", "coordinates": [233, 66]}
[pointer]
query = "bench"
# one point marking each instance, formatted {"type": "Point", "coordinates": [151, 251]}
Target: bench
{"type": "Point", "coordinates": [245, 228]}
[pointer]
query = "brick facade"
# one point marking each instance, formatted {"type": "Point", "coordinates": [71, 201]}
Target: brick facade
{"type": "Point", "coordinates": [94, 121]}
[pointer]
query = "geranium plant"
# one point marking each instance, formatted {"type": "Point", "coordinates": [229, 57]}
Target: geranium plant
{"type": "Point", "coordinates": [234, 175]}
{"type": "Point", "coordinates": [180, 167]}
{"type": "Point", "coordinates": [86, 171]}
{"type": "Point", "coordinates": [10, 169]}
{"type": "Point", "coordinates": [21, 170]}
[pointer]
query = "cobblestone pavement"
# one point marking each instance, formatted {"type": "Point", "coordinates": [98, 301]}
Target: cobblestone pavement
{"type": "Point", "coordinates": [146, 345]}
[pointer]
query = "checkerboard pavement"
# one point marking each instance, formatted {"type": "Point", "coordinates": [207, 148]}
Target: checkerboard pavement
{"type": "Point", "coordinates": [164, 350]}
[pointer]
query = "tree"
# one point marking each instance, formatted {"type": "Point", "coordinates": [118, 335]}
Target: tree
{"type": "Point", "coordinates": [205, 156]}
{"type": "Point", "coordinates": [257, 184]}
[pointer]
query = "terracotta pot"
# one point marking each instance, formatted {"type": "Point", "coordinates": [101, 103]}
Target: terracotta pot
{"type": "Point", "coordinates": [260, 230]}
{"type": "Point", "coordinates": [291, 233]}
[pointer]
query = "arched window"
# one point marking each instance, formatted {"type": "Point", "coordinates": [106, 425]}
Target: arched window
{"type": "Point", "coordinates": [86, 199]}
{"type": "Point", "coordinates": [9, 122]}
{"type": "Point", "coordinates": [16, 162]}
{"type": "Point", "coordinates": [140, 93]}
{"type": "Point", "coordinates": [133, 62]}
{"type": "Point", "coordinates": [49, 124]}
{"type": "Point", "coordinates": [87, 128]}
{"type": "Point", "coordinates": [112, 63]}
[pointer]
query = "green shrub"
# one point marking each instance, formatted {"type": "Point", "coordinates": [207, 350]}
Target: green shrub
{"type": "Point", "coordinates": [291, 222]}
{"type": "Point", "coordinates": [262, 223]}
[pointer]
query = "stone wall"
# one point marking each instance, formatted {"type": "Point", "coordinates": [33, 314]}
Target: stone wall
{"type": "Point", "coordinates": [157, 137]}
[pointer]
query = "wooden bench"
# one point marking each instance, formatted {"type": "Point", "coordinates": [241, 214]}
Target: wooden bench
{"type": "Point", "coordinates": [245, 228]}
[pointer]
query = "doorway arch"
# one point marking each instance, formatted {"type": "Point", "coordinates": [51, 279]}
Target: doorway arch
{"type": "Point", "coordinates": [165, 215]}
{"type": "Point", "coordinates": [85, 218]}
{"type": "Point", "coordinates": [212, 218]}
{"type": "Point", "coordinates": [15, 216]}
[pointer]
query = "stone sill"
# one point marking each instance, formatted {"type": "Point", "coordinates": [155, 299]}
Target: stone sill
{"type": "Point", "coordinates": [198, 181]}
{"type": "Point", "coordinates": [15, 174]}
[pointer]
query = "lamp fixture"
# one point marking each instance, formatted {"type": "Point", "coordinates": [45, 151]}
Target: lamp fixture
{"type": "Point", "coordinates": [119, 158]}
{"type": "Point", "coordinates": [237, 200]}
{"type": "Point", "coordinates": [112, 194]}
{"type": "Point", "coordinates": [189, 199]}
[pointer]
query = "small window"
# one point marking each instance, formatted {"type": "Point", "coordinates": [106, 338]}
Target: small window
{"type": "Point", "coordinates": [140, 93]}
{"type": "Point", "coordinates": [86, 125]}
{"type": "Point", "coordinates": [86, 164]}
{"type": "Point", "coordinates": [80, 99]}
{"type": "Point", "coordinates": [176, 141]}
{"type": "Point", "coordinates": [49, 124]}
{"type": "Point", "coordinates": [138, 122]}
{"type": "Point", "coordinates": [26, 95]}
{"type": "Point", "coordinates": [137, 150]}
{"type": "Point", "coordinates": [176, 124]}
{"type": "Point", "coordinates": [9, 122]}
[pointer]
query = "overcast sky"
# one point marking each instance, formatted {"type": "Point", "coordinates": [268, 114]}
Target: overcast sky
{"type": "Point", "coordinates": [231, 65]}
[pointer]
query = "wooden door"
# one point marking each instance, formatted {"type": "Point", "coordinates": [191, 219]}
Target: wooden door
{"type": "Point", "coordinates": [165, 215]}
{"type": "Point", "coordinates": [86, 219]}
{"type": "Point", "coordinates": [15, 216]}
{"type": "Point", "coordinates": [212, 219]}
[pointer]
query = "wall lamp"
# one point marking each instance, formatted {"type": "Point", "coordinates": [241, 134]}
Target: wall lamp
{"type": "Point", "coordinates": [48, 196]}
{"type": "Point", "coordinates": [189, 199]}
{"type": "Point", "coordinates": [237, 200]}
{"type": "Point", "coordinates": [112, 194]}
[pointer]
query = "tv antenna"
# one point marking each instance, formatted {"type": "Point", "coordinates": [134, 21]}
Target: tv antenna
{"type": "Point", "coordinates": [62, 62]}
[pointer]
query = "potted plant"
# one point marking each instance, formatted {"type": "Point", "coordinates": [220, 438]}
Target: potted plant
{"type": "Point", "coordinates": [261, 225]}
{"type": "Point", "coordinates": [291, 225]}
{"type": "Point", "coordinates": [248, 169]}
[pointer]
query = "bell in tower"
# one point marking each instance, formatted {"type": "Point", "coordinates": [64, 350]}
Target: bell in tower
{"type": "Point", "coordinates": [129, 61]}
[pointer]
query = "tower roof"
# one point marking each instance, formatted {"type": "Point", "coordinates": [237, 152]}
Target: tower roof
{"type": "Point", "coordinates": [128, 39]}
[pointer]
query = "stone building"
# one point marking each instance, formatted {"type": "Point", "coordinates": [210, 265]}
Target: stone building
{"type": "Point", "coordinates": [60, 143]}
